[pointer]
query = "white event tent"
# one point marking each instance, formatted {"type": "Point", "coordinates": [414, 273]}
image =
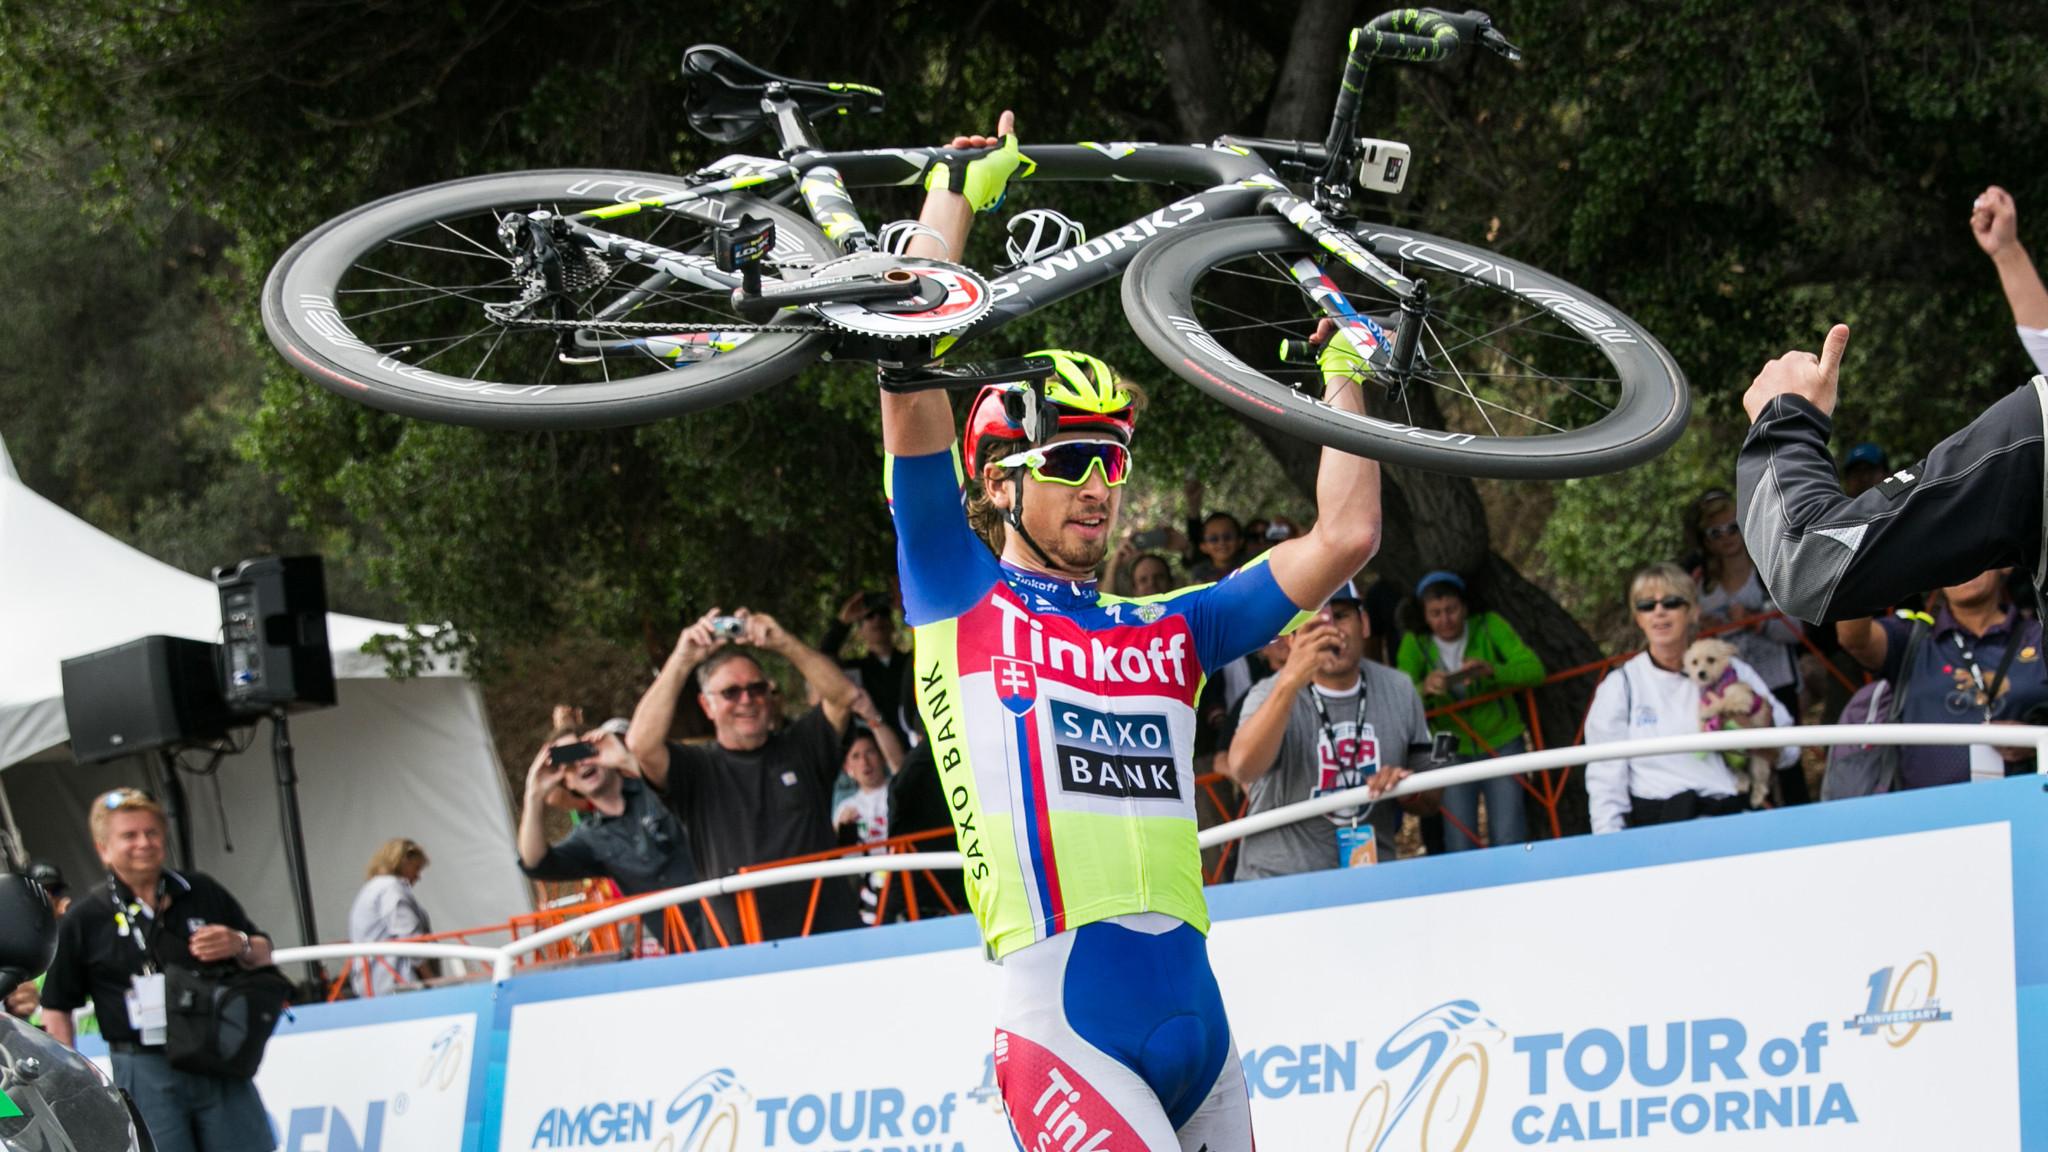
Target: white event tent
{"type": "Point", "coordinates": [394, 758]}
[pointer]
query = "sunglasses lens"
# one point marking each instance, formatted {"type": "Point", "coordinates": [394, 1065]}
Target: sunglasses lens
{"type": "Point", "coordinates": [1070, 463]}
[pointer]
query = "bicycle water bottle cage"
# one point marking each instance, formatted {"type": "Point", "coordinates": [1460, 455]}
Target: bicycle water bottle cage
{"type": "Point", "coordinates": [1039, 233]}
{"type": "Point", "coordinates": [725, 93]}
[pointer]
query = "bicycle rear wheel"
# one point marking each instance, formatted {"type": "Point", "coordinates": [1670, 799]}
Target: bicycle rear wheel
{"type": "Point", "coordinates": [1526, 376]}
{"type": "Point", "coordinates": [386, 305]}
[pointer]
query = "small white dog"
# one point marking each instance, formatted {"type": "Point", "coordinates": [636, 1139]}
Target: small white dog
{"type": "Point", "coordinates": [1726, 702]}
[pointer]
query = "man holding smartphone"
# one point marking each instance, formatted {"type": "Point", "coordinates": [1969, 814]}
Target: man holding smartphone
{"type": "Point", "coordinates": [628, 837]}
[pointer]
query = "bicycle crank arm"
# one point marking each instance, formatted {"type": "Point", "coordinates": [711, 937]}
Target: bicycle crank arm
{"type": "Point", "coordinates": [893, 284]}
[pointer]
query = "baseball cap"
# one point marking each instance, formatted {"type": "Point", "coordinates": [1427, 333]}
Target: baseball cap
{"type": "Point", "coordinates": [1440, 576]}
{"type": "Point", "coordinates": [1347, 591]}
{"type": "Point", "coordinates": [1865, 453]}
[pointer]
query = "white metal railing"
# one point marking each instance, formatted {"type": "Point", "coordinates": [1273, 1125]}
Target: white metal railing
{"type": "Point", "coordinates": [502, 959]}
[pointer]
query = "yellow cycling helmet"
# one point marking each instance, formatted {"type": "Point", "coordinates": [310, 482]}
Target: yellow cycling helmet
{"type": "Point", "coordinates": [1083, 391]}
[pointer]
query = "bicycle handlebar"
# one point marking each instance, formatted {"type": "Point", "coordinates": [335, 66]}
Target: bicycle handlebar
{"type": "Point", "coordinates": [1411, 35]}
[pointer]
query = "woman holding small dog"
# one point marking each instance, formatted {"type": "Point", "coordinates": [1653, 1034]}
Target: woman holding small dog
{"type": "Point", "coordinates": [1650, 696]}
{"type": "Point", "coordinates": [1731, 593]}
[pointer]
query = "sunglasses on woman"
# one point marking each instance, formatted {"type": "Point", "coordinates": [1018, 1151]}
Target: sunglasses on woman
{"type": "Point", "coordinates": [1668, 603]}
{"type": "Point", "coordinates": [1719, 530]}
{"type": "Point", "coordinates": [1070, 461]}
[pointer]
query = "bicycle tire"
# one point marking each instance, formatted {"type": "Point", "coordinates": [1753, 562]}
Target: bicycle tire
{"type": "Point", "coordinates": [1162, 299]}
{"type": "Point", "coordinates": [322, 341]}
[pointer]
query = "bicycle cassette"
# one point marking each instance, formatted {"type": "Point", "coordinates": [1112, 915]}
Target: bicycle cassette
{"type": "Point", "coordinates": [949, 298]}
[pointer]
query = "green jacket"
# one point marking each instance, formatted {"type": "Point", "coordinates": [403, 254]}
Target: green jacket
{"type": "Point", "coordinates": [1488, 638]}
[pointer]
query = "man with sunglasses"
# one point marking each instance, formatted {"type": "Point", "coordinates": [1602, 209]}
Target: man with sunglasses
{"type": "Point", "coordinates": [1062, 722]}
{"type": "Point", "coordinates": [761, 790]}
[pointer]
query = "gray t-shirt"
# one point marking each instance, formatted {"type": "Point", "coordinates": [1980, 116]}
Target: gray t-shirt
{"type": "Point", "coordinates": [1309, 764]}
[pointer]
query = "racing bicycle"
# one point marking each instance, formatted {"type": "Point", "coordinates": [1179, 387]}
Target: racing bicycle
{"type": "Point", "coordinates": [582, 298]}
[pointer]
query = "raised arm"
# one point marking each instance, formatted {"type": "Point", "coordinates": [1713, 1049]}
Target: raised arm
{"type": "Point", "coordinates": [836, 690]}
{"type": "Point", "coordinates": [655, 714]}
{"type": "Point", "coordinates": [921, 423]}
{"type": "Point", "coordinates": [1995, 222]}
{"type": "Point", "coordinates": [1974, 502]}
{"type": "Point", "coordinates": [1257, 743]}
{"type": "Point", "coordinates": [1347, 528]}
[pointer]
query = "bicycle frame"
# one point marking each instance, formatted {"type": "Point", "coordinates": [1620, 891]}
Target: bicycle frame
{"type": "Point", "coordinates": [1238, 183]}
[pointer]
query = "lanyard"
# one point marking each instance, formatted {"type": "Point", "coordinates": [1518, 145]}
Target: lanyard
{"type": "Point", "coordinates": [1330, 728]}
{"type": "Point", "coordinates": [130, 922]}
{"type": "Point", "coordinates": [1989, 692]}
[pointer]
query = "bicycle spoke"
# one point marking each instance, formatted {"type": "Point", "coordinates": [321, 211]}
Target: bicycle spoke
{"type": "Point", "coordinates": [1466, 384]}
{"type": "Point", "coordinates": [474, 243]}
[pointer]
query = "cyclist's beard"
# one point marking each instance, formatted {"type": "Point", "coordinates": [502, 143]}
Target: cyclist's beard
{"type": "Point", "coordinates": [1077, 552]}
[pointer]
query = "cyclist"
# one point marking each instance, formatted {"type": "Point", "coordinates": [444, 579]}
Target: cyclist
{"type": "Point", "coordinates": [1062, 723]}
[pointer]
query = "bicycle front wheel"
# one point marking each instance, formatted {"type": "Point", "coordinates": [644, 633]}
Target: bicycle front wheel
{"type": "Point", "coordinates": [1519, 374]}
{"type": "Point", "coordinates": [387, 305]}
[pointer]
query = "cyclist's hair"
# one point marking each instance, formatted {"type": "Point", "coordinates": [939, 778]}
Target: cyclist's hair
{"type": "Point", "coordinates": [720, 659]}
{"type": "Point", "coordinates": [982, 514]}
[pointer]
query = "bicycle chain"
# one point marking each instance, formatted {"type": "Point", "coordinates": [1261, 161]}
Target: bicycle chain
{"type": "Point", "coordinates": [654, 326]}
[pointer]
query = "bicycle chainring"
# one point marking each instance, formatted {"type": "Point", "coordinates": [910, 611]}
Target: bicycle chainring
{"type": "Point", "coordinates": [949, 298]}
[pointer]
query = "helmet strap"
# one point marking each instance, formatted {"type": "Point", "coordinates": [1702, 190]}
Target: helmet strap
{"type": "Point", "coordinates": [1015, 519]}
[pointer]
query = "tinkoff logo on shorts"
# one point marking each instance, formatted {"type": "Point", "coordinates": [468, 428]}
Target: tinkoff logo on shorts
{"type": "Point", "coordinates": [1114, 754]}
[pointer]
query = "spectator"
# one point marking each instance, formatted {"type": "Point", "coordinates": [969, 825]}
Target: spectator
{"type": "Point", "coordinates": [1980, 664]}
{"type": "Point", "coordinates": [755, 793]}
{"type": "Point", "coordinates": [52, 880]}
{"type": "Point", "coordinates": [1326, 721]}
{"type": "Point", "coordinates": [1995, 221]}
{"type": "Point", "coordinates": [1221, 543]}
{"type": "Point", "coordinates": [1136, 572]}
{"type": "Point", "coordinates": [1465, 656]}
{"type": "Point", "coordinates": [873, 757]}
{"type": "Point", "coordinates": [26, 1001]}
{"type": "Point", "coordinates": [1828, 557]}
{"type": "Point", "coordinates": [1864, 467]}
{"type": "Point", "coordinates": [386, 909]}
{"type": "Point", "coordinates": [1731, 593]}
{"type": "Point", "coordinates": [1649, 696]}
{"type": "Point", "coordinates": [628, 836]}
{"type": "Point", "coordinates": [881, 670]}
{"type": "Point", "coordinates": [1269, 533]}
{"type": "Point", "coordinates": [119, 939]}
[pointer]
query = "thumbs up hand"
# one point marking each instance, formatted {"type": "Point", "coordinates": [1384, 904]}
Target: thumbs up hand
{"type": "Point", "coordinates": [1800, 374]}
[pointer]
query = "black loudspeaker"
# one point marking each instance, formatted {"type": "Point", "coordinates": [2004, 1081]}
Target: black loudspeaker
{"type": "Point", "coordinates": [145, 694]}
{"type": "Point", "coordinates": [273, 613]}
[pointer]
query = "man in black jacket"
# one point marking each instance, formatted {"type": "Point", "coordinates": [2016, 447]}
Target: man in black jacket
{"type": "Point", "coordinates": [1975, 503]}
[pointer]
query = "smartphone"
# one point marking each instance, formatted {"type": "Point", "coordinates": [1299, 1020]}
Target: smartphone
{"type": "Point", "coordinates": [1152, 538]}
{"type": "Point", "coordinates": [1461, 675]}
{"type": "Point", "coordinates": [575, 753]}
{"type": "Point", "coordinates": [730, 627]}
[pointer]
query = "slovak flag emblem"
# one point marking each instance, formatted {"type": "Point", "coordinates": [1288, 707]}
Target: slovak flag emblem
{"type": "Point", "coordinates": [1016, 684]}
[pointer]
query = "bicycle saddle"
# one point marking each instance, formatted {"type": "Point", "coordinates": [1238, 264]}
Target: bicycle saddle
{"type": "Point", "coordinates": [724, 102]}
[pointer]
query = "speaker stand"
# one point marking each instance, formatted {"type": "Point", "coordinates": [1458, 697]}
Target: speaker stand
{"type": "Point", "coordinates": [176, 813]}
{"type": "Point", "coordinates": [294, 837]}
